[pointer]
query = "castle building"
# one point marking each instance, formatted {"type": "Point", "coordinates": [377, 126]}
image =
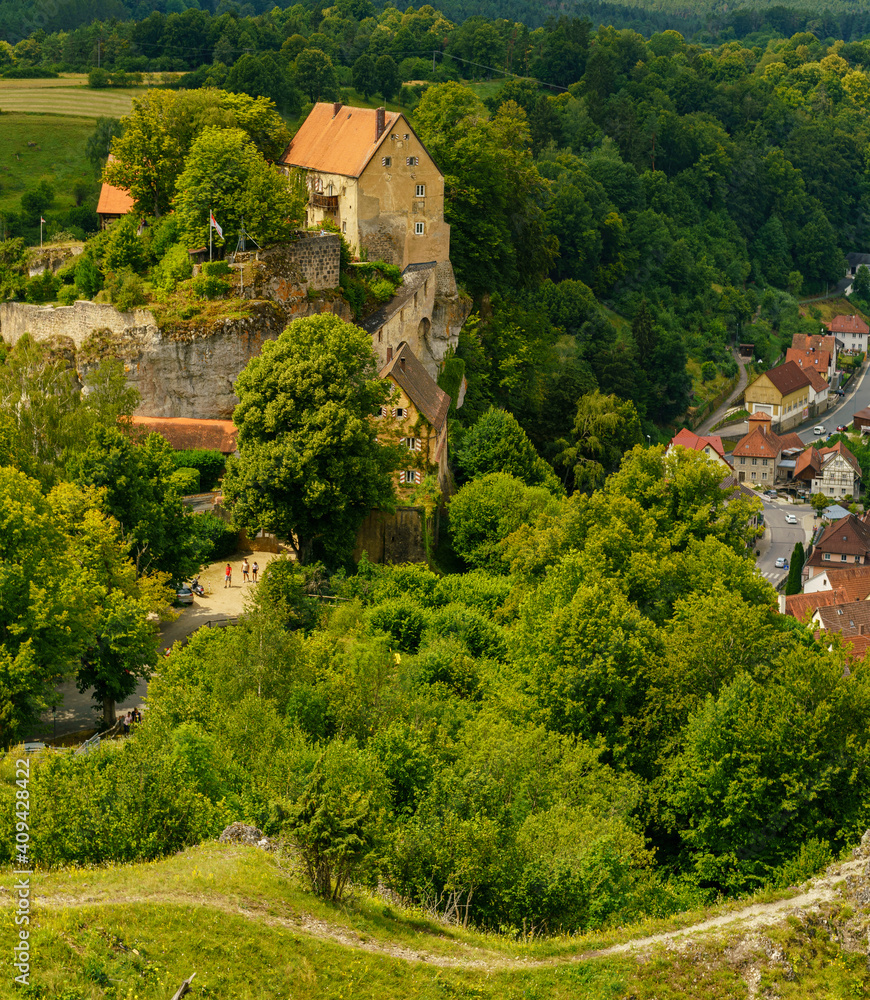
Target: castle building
{"type": "Point", "coordinates": [369, 173]}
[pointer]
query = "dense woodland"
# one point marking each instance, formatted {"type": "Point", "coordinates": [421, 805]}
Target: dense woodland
{"type": "Point", "coordinates": [586, 708]}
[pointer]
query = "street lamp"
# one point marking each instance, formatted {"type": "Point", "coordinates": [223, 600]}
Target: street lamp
{"type": "Point", "coordinates": [648, 441]}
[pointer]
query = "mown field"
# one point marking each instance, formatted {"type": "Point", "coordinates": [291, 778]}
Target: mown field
{"type": "Point", "coordinates": [65, 96]}
{"type": "Point", "coordinates": [43, 146]}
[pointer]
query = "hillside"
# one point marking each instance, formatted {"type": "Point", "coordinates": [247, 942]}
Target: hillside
{"type": "Point", "coordinates": [234, 916]}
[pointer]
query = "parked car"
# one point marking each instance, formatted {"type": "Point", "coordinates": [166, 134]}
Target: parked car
{"type": "Point", "coordinates": [790, 519]}
{"type": "Point", "coordinates": [819, 429]}
{"type": "Point", "coordinates": [183, 595]}
{"type": "Point", "coordinates": [772, 494]}
{"type": "Point", "coordinates": [781, 563]}
{"type": "Point", "coordinates": [841, 427]}
{"type": "Point", "coordinates": [839, 392]}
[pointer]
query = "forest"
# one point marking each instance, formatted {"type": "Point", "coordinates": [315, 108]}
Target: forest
{"type": "Point", "coordinates": [586, 709]}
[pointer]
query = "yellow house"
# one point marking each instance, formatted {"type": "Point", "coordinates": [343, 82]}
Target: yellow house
{"type": "Point", "coordinates": [417, 418]}
{"type": "Point", "coordinates": [783, 394]}
{"type": "Point", "coordinates": [369, 173]}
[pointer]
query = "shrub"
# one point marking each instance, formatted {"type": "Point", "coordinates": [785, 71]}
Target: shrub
{"type": "Point", "coordinates": [222, 539]}
{"type": "Point", "coordinates": [480, 636]}
{"type": "Point", "coordinates": [211, 465]}
{"type": "Point", "coordinates": [214, 268]}
{"type": "Point", "coordinates": [98, 79]}
{"type": "Point", "coordinates": [382, 290]}
{"type": "Point", "coordinates": [42, 288]}
{"type": "Point", "coordinates": [402, 620]}
{"type": "Point", "coordinates": [186, 481]}
{"type": "Point", "coordinates": [210, 286]}
{"type": "Point", "coordinates": [88, 278]}
{"type": "Point", "coordinates": [175, 266]}
{"type": "Point", "coordinates": [67, 295]}
{"type": "Point", "coordinates": [126, 290]}
{"type": "Point", "coordinates": [125, 249]}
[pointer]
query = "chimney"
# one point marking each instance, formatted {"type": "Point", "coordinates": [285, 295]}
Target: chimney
{"type": "Point", "coordinates": [380, 122]}
{"type": "Point", "coordinates": [336, 107]}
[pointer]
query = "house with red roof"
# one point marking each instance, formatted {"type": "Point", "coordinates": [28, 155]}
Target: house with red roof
{"type": "Point", "coordinates": [763, 457]}
{"type": "Point", "coordinates": [710, 445]}
{"type": "Point", "coordinates": [114, 203]}
{"type": "Point", "coordinates": [851, 332]}
{"type": "Point", "coordinates": [845, 544]}
{"type": "Point", "coordinates": [188, 433]}
{"type": "Point", "coordinates": [810, 359]}
{"type": "Point", "coordinates": [810, 341]}
{"type": "Point", "coordinates": [369, 173]}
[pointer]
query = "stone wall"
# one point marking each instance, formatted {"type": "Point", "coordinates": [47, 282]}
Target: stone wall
{"type": "Point", "coordinates": [76, 322]}
{"type": "Point", "coordinates": [392, 538]}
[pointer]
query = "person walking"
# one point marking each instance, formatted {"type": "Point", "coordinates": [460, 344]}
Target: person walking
{"type": "Point", "coordinates": [245, 570]}
{"type": "Point", "coordinates": [228, 576]}
{"type": "Point", "coordinates": [255, 569]}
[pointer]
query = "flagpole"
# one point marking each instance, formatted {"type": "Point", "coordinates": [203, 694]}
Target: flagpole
{"type": "Point", "coordinates": [40, 232]}
{"type": "Point", "coordinates": [209, 235]}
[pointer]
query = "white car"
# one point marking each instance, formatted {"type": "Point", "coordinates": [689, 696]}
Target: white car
{"type": "Point", "coordinates": [790, 519]}
{"type": "Point", "coordinates": [818, 430]}
{"type": "Point", "coordinates": [781, 563]}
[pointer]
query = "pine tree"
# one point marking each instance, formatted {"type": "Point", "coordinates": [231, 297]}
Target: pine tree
{"type": "Point", "coordinates": [793, 584]}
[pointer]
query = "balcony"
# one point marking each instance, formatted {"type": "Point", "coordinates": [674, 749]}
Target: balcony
{"type": "Point", "coordinates": [328, 202]}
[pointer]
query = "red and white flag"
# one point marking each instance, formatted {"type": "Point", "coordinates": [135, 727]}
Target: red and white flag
{"type": "Point", "coordinates": [213, 221]}
{"type": "Point", "coordinates": [42, 220]}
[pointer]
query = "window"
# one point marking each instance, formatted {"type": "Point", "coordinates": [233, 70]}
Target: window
{"type": "Point", "coordinates": [412, 444]}
{"type": "Point", "coordinates": [419, 228]}
{"type": "Point", "coordinates": [344, 227]}
{"type": "Point", "coordinates": [331, 189]}
{"type": "Point", "coordinates": [755, 461]}
{"type": "Point", "coordinates": [844, 558]}
{"type": "Point", "coordinates": [394, 137]}
{"type": "Point", "coordinates": [400, 412]}
{"type": "Point", "coordinates": [406, 137]}
{"type": "Point", "coordinates": [412, 161]}
{"type": "Point", "coordinates": [421, 191]}
{"type": "Point", "coordinates": [764, 461]}
{"type": "Point", "coordinates": [386, 161]}
{"type": "Point", "coordinates": [409, 476]}
{"type": "Point", "coordinates": [764, 475]}
{"type": "Point", "coordinates": [827, 555]}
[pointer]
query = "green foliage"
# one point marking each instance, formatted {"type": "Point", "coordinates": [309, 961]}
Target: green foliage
{"type": "Point", "coordinates": [306, 438]}
{"type": "Point", "coordinates": [126, 290]}
{"type": "Point", "coordinates": [100, 140]}
{"type": "Point", "coordinates": [210, 465]}
{"type": "Point", "coordinates": [219, 539]}
{"type": "Point", "coordinates": [175, 266]}
{"type": "Point", "coordinates": [401, 620]}
{"type": "Point", "coordinates": [43, 287]}
{"type": "Point", "coordinates": [794, 583]}
{"type": "Point", "coordinates": [88, 278]}
{"type": "Point", "coordinates": [210, 286]}
{"type": "Point", "coordinates": [186, 481]}
{"type": "Point", "coordinates": [604, 429]}
{"type": "Point", "coordinates": [125, 249]}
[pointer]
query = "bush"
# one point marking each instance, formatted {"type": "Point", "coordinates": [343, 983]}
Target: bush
{"type": "Point", "coordinates": [480, 636]}
{"type": "Point", "coordinates": [210, 286]}
{"type": "Point", "coordinates": [98, 79]}
{"type": "Point", "coordinates": [211, 465]}
{"type": "Point", "coordinates": [175, 266]}
{"type": "Point", "coordinates": [88, 278]}
{"type": "Point", "coordinates": [67, 295]}
{"type": "Point", "coordinates": [186, 481]}
{"type": "Point", "coordinates": [382, 290]}
{"type": "Point", "coordinates": [42, 288]}
{"type": "Point", "coordinates": [126, 290]}
{"type": "Point", "coordinates": [124, 248]}
{"type": "Point", "coordinates": [402, 620]}
{"type": "Point", "coordinates": [222, 539]}
{"type": "Point", "coordinates": [215, 268]}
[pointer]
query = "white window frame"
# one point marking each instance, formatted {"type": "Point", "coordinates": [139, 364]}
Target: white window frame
{"type": "Point", "coordinates": [421, 191]}
{"type": "Point", "coordinates": [419, 228]}
{"type": "Point", "coordinates": [409, 477]}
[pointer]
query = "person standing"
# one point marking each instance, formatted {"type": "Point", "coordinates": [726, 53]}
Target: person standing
{"type": "Point", "coordinates": [255, 569]}
{"type": "Point", "coordinates": [228, 576]}
{"type": "Point", "coordinates": [245, 570]}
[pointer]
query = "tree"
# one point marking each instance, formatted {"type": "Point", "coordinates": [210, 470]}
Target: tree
{"type": "Point", "coordinates": [125, 249]}
{"type": "Point", "coordinates": [260, 75]}
{"type": "Point", "coordinates": [310, 467]}
{"type": "Point", "coordinates": [795, 567]}
{"type": "Point", "coordinates": [605, 427]}
{"type": "Point", "coordinates": [142, 495]}
{"type": "Point", "coordinates": [487, 510]}
{"type": "Point", "coordinates": [365, 78]}
{"type": "Point", "coordinates": [150, 154]}
{"type": "Point", "coordinates": [315, 75]}
{"type": "Point", "coordinates": [100, 140]}
{"type": "Point", "coordinates": [387, 75]}
{"type": "Point", "coordinates": [330, 832]}
{"type": "Point", "coordinates": [497, 443]}
{"type": "Point", "coordinates": [861, 284]}
{"type": "Point", "coordinates": [227, 175]}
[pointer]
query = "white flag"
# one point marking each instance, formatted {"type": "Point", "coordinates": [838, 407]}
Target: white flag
{"type": "Point", "coordinates": [220, 231]}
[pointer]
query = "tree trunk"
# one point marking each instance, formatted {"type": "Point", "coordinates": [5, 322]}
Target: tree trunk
{"type": "Point", "coordinates": [109, 717]}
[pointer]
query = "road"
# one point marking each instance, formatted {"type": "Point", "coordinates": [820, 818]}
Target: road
{"type": "Point", "coordinates": [854, 400]}
{"type": "Point", "coordinates": [780, 538]}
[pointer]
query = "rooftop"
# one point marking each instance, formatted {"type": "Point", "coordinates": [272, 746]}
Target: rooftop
{"type": "Point", "coordinates": [848, 324]}
{"type": "Point", "coordinates": [787, 377]}
{"type": "Point", "coordinates": [187, 433]}
{"type": "Point", "coordinates": [419, 386]}
{"type": "Point", "coordinates": [339, 139]}
{"type": "Point", "coordinates": [697, 442]}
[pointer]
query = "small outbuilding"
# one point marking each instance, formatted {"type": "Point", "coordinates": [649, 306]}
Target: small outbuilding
{"type": "Point", "coordinates": [861, 420]}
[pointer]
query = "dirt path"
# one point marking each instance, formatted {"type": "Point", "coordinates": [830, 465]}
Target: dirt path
{"type": "Point", "coordinates": [820, 890]}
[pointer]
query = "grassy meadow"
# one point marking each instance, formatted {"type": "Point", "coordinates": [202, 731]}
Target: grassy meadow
{"type": "Point", "coordinates": [67, 95]}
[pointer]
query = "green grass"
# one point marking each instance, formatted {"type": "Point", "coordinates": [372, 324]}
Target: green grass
{"type": "Point", "coordinates": [80, 102]}
{"type": "Point", "coordinates": [58, 155]}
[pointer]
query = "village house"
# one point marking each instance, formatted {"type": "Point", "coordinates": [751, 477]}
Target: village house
{"type": "Point", "coordinates": [845, 543]}
{"type": "Point", "coordinates": [114, 203]}
{"type": "Point", "coordinates": [850, 621]}
{"type": "Point", "coordinates": [759, 456]}
{"type": "Point", "coordinates": [710, 445]}
{"type": "Point", "coordinates": [783, 393]}
{"type": "Point", "coordinates": [811, 359]}
{"type": "Point", "coordinates": [850, 332]}
{"type": "Point", "coordinates": [370, 175]}
{"type": "Point", "coordinates": [805, 342]}
{"type": "Point", "coordinates": [834, 471]}
{"type": "Point", "coordinates": [417, 417]}
{"type": "Point", "coordinates": [850, 583]}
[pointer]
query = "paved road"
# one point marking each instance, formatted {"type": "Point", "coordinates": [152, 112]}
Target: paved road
{"type": "Point", "coordinates": [719, 413]}
{"type": "Point", "coordinates": [780, 538]}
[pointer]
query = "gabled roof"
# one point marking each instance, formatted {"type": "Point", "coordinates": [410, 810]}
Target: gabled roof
{"type": "Point", "coordinates": [419, 386]}
{"type": "Point", "coordinates": [809, 359]}
{"type": "Point", "coordinates": [791, 442]}
{"type": "Point", "coordinates": [851, 621]}
{"type": "Point", "coordinates": [696, 442]}
{"type": "Point", "coordinates": [863, 414]}
{"type": "Point", "coordinates": [114, 200]}
{"type": "Point", "coordinates": [848, 536]}
{"type": "Point", "coordinates": [840, 449]}
{"type": "Point", "coordinates": [848, 324]}
{"type": "Point", "coordinates": [801, 605]}
{"type": "Point", "coordinates": [760, 442]}
{"type": "Point", "coordinates": [808, 464]}
{"type": "Point", "coordinates": [817, 380]}
{"type": "Point", "coordinates": [338, 139]}
{"type": "Point", "coordinates": [805, 341]}
{"type": "Point", "coordinates": [186, 433]}
{"type": "Point", "coordinates": [787, 377]}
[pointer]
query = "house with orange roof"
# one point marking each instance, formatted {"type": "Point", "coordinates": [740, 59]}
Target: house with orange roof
{"type": "Point", "coordinates": [114, 203]}
{"type": "Point", "coordinates": [711, 445]}
{"type": "Point", "coordinates": [850, 621]}
{"type": "Point", "coordinates": [783, 393]}
{"type": "Point", "coordinates": [369, 173]}
{"type": "Point", "coordinates": [804, 606]}
{"type": "Point", "coordinates": [810, 359]}
{"type": "Point", "coordinates": [851, 332]}
{"type": "Point", "coordinates": [811, 341]}
{"type": "Point", "coordinates": [762, 456]}
{"type": "Point", "coordinates": [852, 582]}
{"type": "Point", "coordinates": [840, 474]}
{"type": "Point", "coordinates": [846, 544]}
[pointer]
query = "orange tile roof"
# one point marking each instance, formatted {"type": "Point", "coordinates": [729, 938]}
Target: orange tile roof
{"type": "Point", "coordinates": [810, 359]}
{"type": "Point", "coordinates": [853, 581]}
{"type": "Point", "coordinates": [114, 201]}
{"type": "Point", "coordinates": [848, 324]}
{"type": "Point", "coordinates": [339, 142]}
{"type": "Point", "coordinates": [186, 433]}
{"type": "Point", "coordinates": [805, 341]}
{"type": "Point", "coordinates": [810, 462]}
{"type": "Point", "coordinates": [696, 442]}
{"type": "Point", "coordinates": [760, 442]}
{"type": "Point", "coordinates": [801, 605]}
{"type": "Point", "coordinates": [817, 380]}
{"type": "Point", "coordinates": [840, 449]}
